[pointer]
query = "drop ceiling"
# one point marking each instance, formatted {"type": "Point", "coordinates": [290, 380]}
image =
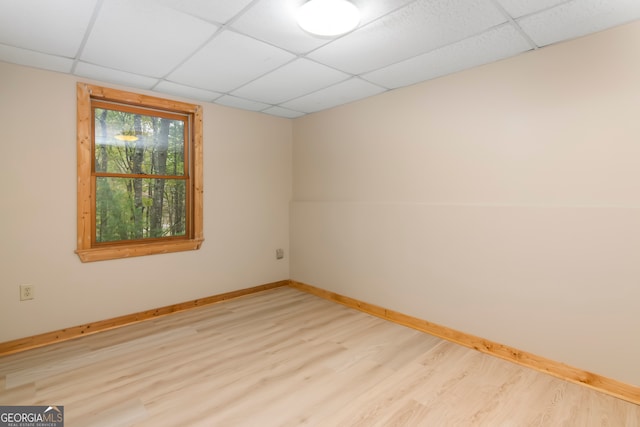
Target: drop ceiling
{"type": "Point", "coordinates": [251, 54]}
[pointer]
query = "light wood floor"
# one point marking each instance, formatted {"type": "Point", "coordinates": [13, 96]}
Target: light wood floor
{"type": "Point", "coordinates": [287, 358]}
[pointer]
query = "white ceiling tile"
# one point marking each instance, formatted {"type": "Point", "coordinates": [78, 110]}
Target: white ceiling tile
{"type": "Point", "coordinates": [341, 93]}
{"type": "Point", "coordinates": [578, 18]}
{"type": "Point", "coordinates": [53, 27]}
{"type": "Point", "coordinates": [212, 11]}
{"type": "Point", "coordinates": [285, 82]}
{"type": "Point", "coordinates": [34, 59]}
{"type": "Point", "coordinates": [114, 76]}
{"type": "Point", "coordinates": [274, 21]}
{"type": "Point", "coordinates": [143, 38]}
{"type": "Point", "coordinates": [283, 112]}
{"type": "Point", "coordinates": [495, 44]}
{"type": "Point", "coordinates": [245, 104]}
{"type": "Point", "coordinates": [418, 28]}
{"type": "Point", "coordinates": [372, 10]}
{"type": "Point", "coordinates": [518, 8]}
{"type": "Point", "coordinates": [229, 61]}
{"type": "Point", "coordinates": [186, 91]}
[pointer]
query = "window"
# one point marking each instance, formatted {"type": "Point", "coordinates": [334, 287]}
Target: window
{"type": "Point", "coordinates": [139, 174]}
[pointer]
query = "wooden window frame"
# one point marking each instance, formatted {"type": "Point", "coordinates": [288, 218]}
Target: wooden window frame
{"type": "Point", "coordinates": [86, 249]}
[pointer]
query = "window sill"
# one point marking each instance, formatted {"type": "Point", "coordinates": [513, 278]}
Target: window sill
{"type": "Point", "coordinates": [128, 251]}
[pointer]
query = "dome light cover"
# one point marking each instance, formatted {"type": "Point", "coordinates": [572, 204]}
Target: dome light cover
{"type": "Point", "coordinates": [328, 18]}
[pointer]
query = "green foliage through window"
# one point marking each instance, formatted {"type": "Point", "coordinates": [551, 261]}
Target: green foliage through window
{"type": "Point", "coordinates": [140, 173]}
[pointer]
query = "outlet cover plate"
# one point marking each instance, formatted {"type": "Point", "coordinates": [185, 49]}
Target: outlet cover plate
{"type": "Point", "coordinates": [26, 292]}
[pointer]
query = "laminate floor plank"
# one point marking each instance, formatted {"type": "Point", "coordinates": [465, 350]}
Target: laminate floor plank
{"type": "Point", "coordinates": [287, 358]}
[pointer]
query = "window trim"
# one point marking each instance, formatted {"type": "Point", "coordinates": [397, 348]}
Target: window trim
{"type": "Point", "coordinates": [85, 250]}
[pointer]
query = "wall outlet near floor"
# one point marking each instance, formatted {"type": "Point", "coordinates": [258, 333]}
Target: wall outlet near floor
{"type": "Point", "coordinates": [279, 253]}
{"type": "Point", "coordinates": [26, 292]}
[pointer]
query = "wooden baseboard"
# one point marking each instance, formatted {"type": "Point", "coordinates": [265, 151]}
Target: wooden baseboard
{"type": "Point", "coordinates": [47, 338]}
{"type": "Point", "coordinates": [606, 385]}
{"type": "Point", "coordinates": [597, 382]}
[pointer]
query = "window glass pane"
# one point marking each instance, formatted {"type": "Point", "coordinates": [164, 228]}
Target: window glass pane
{"type": "Point", "coordinates": [137, 208]}
{"type": "Point", "coordinates": [130, 143]}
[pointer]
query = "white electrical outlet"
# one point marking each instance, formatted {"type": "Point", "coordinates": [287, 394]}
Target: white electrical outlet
{"type": "Point", "coordinates": [26, 292]}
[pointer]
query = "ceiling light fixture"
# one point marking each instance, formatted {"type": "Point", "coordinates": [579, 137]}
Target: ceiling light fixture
{"type": "Point", "coordinates": [328, 18]}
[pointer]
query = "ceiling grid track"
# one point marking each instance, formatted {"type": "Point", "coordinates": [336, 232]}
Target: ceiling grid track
{"type": "Point", "coordinates": [252, 54]}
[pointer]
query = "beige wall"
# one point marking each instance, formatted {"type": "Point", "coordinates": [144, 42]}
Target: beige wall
{"type": "Point", "coordinates": [502, 201]}
{"type": "Point", "coordinates": [247, 190]}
